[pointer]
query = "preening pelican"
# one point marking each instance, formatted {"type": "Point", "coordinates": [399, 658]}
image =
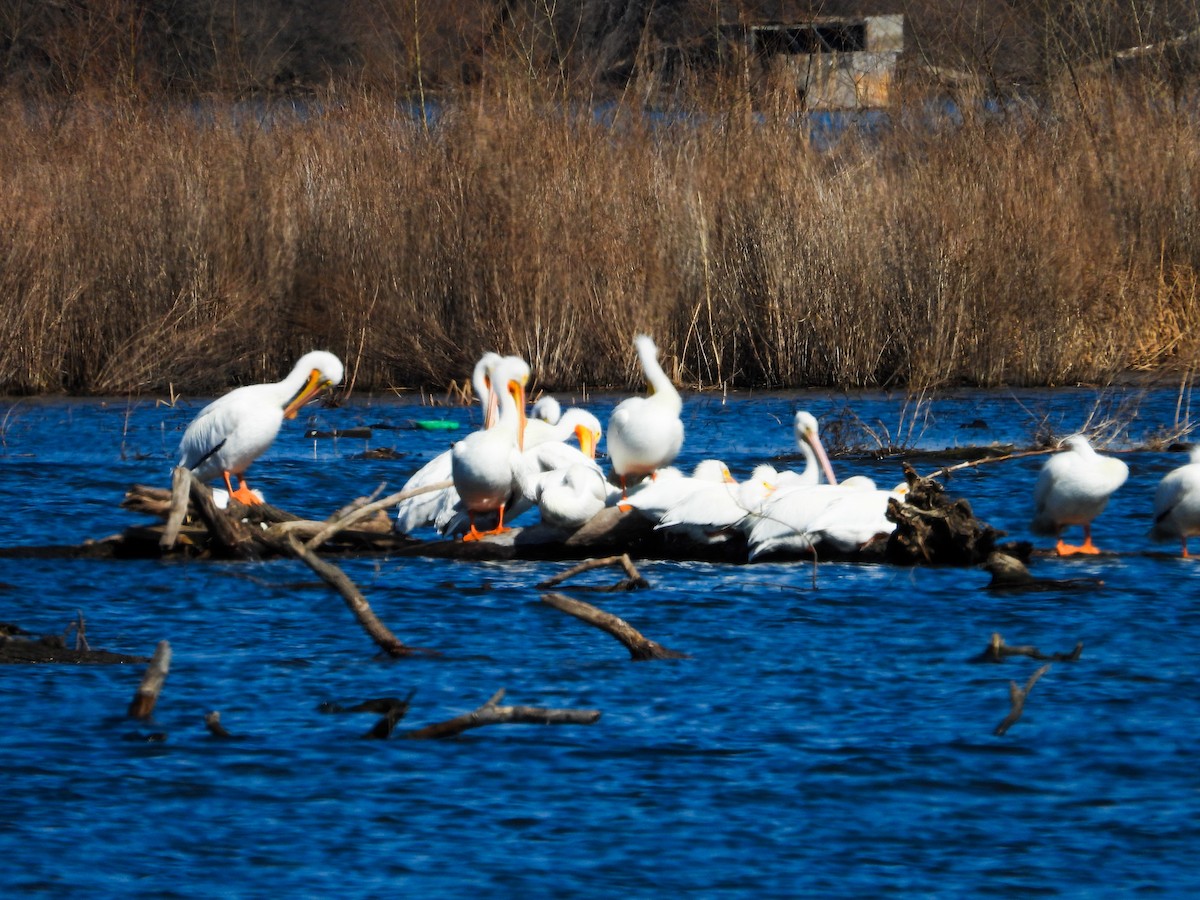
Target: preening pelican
{"type": "Point", "coordinates": [425, 509]}
{"type": "Point", "coordinates": [485, 463]}
{"type": "Point", "coordinates": [1072, 489]}
{"type": "Point", "coordinates": [546, 409]}
{"type": "Point", "coordinates": [1177, 503]}
{"type": "Point", "coordinates": [816, 461]}
{"type": "Point", "coordinates": [234, 430]}
{"type": "Point", "coordinates": [568, 498]}
{"type": "Point", "coordinates": [646, 433]}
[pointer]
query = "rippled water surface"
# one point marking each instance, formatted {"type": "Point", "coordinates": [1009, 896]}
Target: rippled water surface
{"type": "Point", "coordinates": [833, 740]}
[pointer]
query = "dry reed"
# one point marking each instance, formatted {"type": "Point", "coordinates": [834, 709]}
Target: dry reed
{"type": "Point", "coordinates": [201, 245]}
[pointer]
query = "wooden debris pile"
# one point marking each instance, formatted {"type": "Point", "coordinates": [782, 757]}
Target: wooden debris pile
{"type": "Point", "coordinates": [932, 528]}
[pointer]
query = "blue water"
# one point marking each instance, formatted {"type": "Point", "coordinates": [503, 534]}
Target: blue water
{"type": "Point", "coordinates": [833, 741]}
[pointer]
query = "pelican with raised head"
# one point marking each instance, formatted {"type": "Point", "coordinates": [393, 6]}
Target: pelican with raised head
{"type": "Point", "coordinates": [1073, 488]}
{"type": "Point", "coordinates": [234, 430]}
{"type": "Point", "coordinates": [646, 433]}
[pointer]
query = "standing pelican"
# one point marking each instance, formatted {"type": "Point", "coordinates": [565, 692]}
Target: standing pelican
{"type": "Point", "coordinates": [1177, 503]}
{"type": "Point", "coordinates": [234, 430]}
{"type": "Point", "coordinates": [424, 509]}
{"type": "Point", "coordinates": [646, 433]}
{"type": "Point", "coordinates": [485, 463]}
{"type": "Point", "coordinates": [1072, 489]}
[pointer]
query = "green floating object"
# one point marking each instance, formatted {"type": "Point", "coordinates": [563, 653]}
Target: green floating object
{"type": "Point", "coordinates": [436, 424]}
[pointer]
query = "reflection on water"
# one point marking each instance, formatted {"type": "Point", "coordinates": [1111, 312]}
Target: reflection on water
{"type": "Point", "coordinates": [818, 741]}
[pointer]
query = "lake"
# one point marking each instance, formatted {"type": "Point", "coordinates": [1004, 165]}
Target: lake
{"type": "Point", "coordinates": [825, 741]}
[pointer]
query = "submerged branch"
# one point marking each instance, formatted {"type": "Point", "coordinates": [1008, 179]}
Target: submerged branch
{"type": "Point", "coordinates": [1016, 696]}
{"type": "Point", "coordinates": [633, 578]}
{"type": "Point", "coordinates": [146, 697]}
{"type": "Point", "coordinates": [493, 714]}
{"type": "Point", "coordinates": [640, 647]}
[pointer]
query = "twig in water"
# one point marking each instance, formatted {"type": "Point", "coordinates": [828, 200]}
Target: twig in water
{"type": "Point", "coordinates": [633, 578]}
{"type": "Point", "coordinates": [1016, 696]}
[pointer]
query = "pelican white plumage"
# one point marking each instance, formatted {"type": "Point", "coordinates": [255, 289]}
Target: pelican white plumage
{"type": "Point", "coordinates": [425, 509]}
{"type": "Point", "coordinates": [646, 433]}
{"type": "Point", "coordinates": [653, 498]}
{"type": "Point", "coordinates": [714, 511]}
{"type": "Point", "coordinates": [486, 463]}
{"type": "Point", "coordinates": [816, 461]}
{"type": "Point", "coordinates": [234, 430]}
{"type": "Point", "coordinates": [569, 498]}
{"type": "Point", "coordinates": [574, 422]}
{"type": "Point", "coordinates": [1073, 488]}
{"type": "Point", "coordinates": [855, 518]}
{"type": "Point", "coordinates": [1177, 503]}
{"type": "Point", "coordinates": [785, 523]}
{"type": "Point", "coordinates": [546, 409]}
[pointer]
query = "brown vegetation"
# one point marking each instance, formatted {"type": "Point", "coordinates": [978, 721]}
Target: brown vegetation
{"type": "Point", "coordinates": [151, 236]}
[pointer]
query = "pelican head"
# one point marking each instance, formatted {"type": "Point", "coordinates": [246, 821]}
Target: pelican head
{"type": "Point", "coordinates": [805, 427]}
{"type": "Point", "coordinates": [585, 427]}
{"type": "Point", "coordinates": [314, 372]}
{"type": "Point", "coordinates": [481, 384]}
{"type": "Point", "coordinates": [513, 373]}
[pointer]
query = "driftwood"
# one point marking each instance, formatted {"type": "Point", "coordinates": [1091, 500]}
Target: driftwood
{"type": "Point", "coordinates": [1010, 574]}
{"type": "Point", "coordinates": [339, 581]}
{"type": "Point", "coordinates": [932, 528]}
{"type": "Point", "coordinates": [998, 651]}
{"type": "Point", "coordinates": [493, 714]}
{"type": "Point", "coordinates": [146, 697]}
{"type": "Point", "coordinates": [1017, 696]}
{"type": "Point", "coordinates": [640, 647]}
{"type": "Point", "coordinates": [632, 581]}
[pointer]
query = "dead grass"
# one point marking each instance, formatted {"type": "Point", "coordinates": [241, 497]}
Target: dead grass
{"type": "Point", "coordinates": [145, 245]}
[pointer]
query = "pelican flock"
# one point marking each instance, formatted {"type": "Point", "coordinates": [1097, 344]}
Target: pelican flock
{"type": "Point", "coordinates": [234, 430]}
{"type": "Point", "coordinates": [519, 461]}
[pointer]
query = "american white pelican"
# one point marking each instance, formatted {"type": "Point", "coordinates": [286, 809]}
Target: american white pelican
{"type": "Point", "coordinates": [714, 511]}
{"type": "Point", "coordinates": [569, 498]}
{"type": "Point", "coordinates": [425, 509]}
{"type": "Point", "coordinates": [855, 518]}
{"type": "Point", "coordinates": [653, 498]}
{"type": "Point", "coordinates": [234, 430]}
{"type": "Point", "coordinates": [573, 422]}
{"type": "Point", "coordinates": [816, 461]}
{"type": "Point", "coordinates": [1177, 503]}
{"type": "Point", "coordinates": [485, 463]}
{"type": "Point", "coordinates": [546, 409]}
{"type": "Point", "coordinates": [646, 433]}
{"type": "Point", "coordinates": [1072, 489]}
{"type": "Point", "coordinates": [785, 520]}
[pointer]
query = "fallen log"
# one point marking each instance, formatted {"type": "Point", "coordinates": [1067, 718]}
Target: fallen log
{"type": "Point", "coordinates": [1017, 696]}
{"type": "Point", "coordinates": [640, 647]}
{"type": "Point", "coordinates": [493, 714]}
{"type": "Point", "coordinates": [931, 528]}
{"type": "Point", "coordinates": [18, 646]}
{"type": "Point", "coordinates": [146, 697]}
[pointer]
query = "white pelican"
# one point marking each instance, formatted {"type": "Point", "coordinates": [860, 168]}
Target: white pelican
{"type": "Point", "coordinates": [654, 498]}
{"type": "Point", "coordinates": [546, 409]}
{"type": "Point", "coordinates": [234, 430]}
{"type": "Point", "coordinates": [574, 422]}
{"type": "Point", "coordinates": [425, 509]}
{"type": "Point", "coordinates": [568, 498]}
{"type": "Point", "coordinates": [713, 511]}
{"type": "Point", "coordinates": [645, 433]}
{"type": "Point", "coordinates": [855, 519]}
{"type": "Point", "coordinates": [785, 520]}
{"type": "Point", "coordinates": [1072, 489]}
{"type": "Point", "coordinates": [485, 463]}
{"type": "Point", "coordinates": [1177, 503]}
{"type": "Point", "coordinates": [816, 461]}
